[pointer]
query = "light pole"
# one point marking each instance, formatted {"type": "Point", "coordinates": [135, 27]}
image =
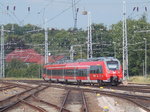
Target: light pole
{"type": "Point", "coordinates": [145, 56]}
{"type": "Point", "coordinates": [89, 36]}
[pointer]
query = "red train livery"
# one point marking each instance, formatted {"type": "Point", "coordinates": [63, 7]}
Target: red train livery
{"type": "Point", "coordinates": [97, 70]}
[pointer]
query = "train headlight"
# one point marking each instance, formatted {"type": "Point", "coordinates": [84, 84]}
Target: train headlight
{"type": "Point", "coordinates": [114, 72]}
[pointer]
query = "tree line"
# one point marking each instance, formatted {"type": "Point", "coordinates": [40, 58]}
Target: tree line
{"type": "Point", "coordinates": [106, 42]}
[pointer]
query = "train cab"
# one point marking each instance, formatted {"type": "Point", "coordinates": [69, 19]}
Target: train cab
{"type": "Point", "coordinates": [113, 70]}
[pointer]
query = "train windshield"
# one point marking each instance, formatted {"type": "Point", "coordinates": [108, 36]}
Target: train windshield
{"type": "Point", "coordinates": [112, 65]}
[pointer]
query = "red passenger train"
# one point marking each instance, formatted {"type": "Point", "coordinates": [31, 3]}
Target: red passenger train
{"type": "Point", "coordinates": [96, 70]}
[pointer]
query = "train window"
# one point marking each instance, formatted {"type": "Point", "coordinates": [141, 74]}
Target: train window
{"type": "Point", "coordinates": [99, 69]}
{"type": "Point", "coordinates": [69, 72]}
{"type": "Point", "coordinates": [44, 71]}
{"type": "Point", "coordinates": [95, 69]}
{"type": "Point", "coordinates": [112, 65]}
{"type": "Point", "coordinates": [53, 72]}
{"type": "Point", "coordinates": [49, 72]}
{"type": "Point", "coordinates": [82, 72]}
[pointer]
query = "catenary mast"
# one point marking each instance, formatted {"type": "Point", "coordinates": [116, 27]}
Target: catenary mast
{"type": "Point", "coordinates": [125, 44]}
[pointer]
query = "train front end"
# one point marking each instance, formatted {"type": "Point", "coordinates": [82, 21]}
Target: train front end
{"type": "Point", "coordinates": [113, 70]}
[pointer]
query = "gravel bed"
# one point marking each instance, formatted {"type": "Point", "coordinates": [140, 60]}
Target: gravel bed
{"type": "Point", "coordinates": [74, 101]}
{"type": "Point", "coordinates": [44, 106]}
{"type": "Point", "coordinates": [21, 108]}
{"type": "Point", "coordinates": [52, 95]}
{"type": "Point", "coordinates": [93, 102]}
{"type": "Point", "coordinates": [2, 85]}
{"type": "Point", "coordinates": [10, 92]}
{"type": "Point", "coordinates": [117, 105]}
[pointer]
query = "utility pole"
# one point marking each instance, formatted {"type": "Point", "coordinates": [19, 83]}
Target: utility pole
{"type": "Point", "coordinates": [145, 57]}
{"type": "Point", "coordinates": [144, 31]}
{"type": "Point", "coordinates": [2, 53]}
{"type": "Point", "coordinates": [75, 20]}
{"type": "Point", "coordinates": [75, 13]}
{"type": "Point", "coordinates": [143, 68]}
{"type": "Point", "coordinates": [2, 57]}
{"type": "Point", "coordinates": [114, 43]}
{"type": "Point", "coordinates": [46, 41]}
{"type": "Point", "coordinates": [71, 53]}
{"type": "Point", "coordinates": [89, 36]}
{"type": "Point", "coordinates": [125, 44]}
{"type": "Point", "coordinates": [90, 52]}
{"type": "Point", "coordinates": [46, 45]}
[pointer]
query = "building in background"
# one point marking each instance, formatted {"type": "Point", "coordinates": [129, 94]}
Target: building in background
{"type": "Point", "coordinates": [31, 56]}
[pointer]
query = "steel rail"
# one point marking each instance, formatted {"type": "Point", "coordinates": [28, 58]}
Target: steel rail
{"type": "Point", "coordinates": [33, 106]}
{"type": "Point", "coordinates": [7, 87]}
{"type": "Point", "coordinates": [9, 103]}
{"type": "Point", "coordinates": [47, 103]}
{"type": "Point", "coordinates": [85, 106]}
{"type": "Point", "coordinates": [104, 92]}
{"type": "Point", "coordinates": [114, 94]}
{"type": "Point", "coordinates": [20, 85]}
{"type": "Point", "coordinates": [64, 101]}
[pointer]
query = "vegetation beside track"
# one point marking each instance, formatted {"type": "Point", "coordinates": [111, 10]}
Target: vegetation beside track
{"type": "Point", "coordinates": [60, 40]}
{"type": "Point", "coordinates": [139, 79]}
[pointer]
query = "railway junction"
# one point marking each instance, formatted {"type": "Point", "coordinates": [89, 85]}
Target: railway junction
{"type": "Point", "coordinates": [41, 96]}
{"type": "Point", "coordinates": [74, 69]}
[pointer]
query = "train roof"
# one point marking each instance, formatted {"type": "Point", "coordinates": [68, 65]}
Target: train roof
{"type": "Point", "coordinates": [85, 60]}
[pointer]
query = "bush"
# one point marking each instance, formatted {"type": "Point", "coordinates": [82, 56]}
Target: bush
{"type": "Point", "coordinates": [139, 79]}
{"type": "Point", "coordinates": [17, 69]}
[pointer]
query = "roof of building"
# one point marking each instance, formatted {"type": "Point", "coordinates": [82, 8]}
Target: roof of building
{"type": "Point", "coordinates": [30, 56]}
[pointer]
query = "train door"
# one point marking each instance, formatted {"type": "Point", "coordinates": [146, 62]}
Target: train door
{"type": "Point", "coordinates": [63, 73]}
{"type": "Point", "coordinates": [75, 73]}
{"type": "Point", "coordinates": [95, 72]}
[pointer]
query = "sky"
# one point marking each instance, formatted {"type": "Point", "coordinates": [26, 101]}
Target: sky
{"type": "Point", "coordinates": [59, 13]}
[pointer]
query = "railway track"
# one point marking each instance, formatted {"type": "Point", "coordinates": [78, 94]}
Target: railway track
{"type": "Point", "coordinates": [15, 99]}
{"type": "Point", "coordinates": [7, 87]}
{"type": "Point", "coordinates": [15, 84]}
{"type": "Point", "coordinates": [22, 97]}
{"type": "Point", "coordinates": [141, 88]}
{"type": "Point", "coordinates": [84, 107]}
{"type": "Point", "coordinates": [139, 100]}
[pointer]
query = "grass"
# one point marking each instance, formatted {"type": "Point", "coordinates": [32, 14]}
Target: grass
{"type": "Point", "coordinates": [139, 79]}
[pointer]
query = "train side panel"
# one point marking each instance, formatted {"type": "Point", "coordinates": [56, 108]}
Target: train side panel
{"type": "Point", "coordinates": [109, 70]}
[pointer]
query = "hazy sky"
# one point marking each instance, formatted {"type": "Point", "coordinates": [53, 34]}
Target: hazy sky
{"type": "Point", "coordinates": [59, 14]}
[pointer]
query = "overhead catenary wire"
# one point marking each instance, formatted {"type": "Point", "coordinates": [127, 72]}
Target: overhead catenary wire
{"type": "Point", "coordinates": [62, 12]}
{"type": "Point", "coordinates": [11, 13]}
